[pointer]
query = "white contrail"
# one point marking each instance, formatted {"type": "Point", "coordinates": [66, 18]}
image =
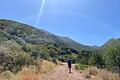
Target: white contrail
{"type": "Point", "coordinates": [40, 13]}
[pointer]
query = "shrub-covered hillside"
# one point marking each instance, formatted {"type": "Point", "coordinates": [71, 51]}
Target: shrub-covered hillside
{"type": "Point", "coordinates": [23, 34]}
{"type": "Point", "coordinates": [21, 44]}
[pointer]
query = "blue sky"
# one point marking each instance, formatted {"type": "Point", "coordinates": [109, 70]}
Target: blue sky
{"type": "Point", "coordinates": [90, 22]}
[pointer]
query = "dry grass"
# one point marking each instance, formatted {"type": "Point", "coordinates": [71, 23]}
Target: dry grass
{"type": "Point", "coordinates": [93, 71]}
{"type": "Point", "coordinates": [46, 67]}
{"type": "Point", "coordinates": [102, 74]}
{"type": "Point", "coordinates": [7, 75]}
{"type": "Point", "coordinates": [105, 75]}
{"type": "Point", "coordinates": [87, 75]}
{"type": "Point", "coordinates": [29, 73]}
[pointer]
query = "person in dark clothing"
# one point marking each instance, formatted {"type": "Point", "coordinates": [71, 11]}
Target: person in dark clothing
{"type": "Point", "coordinates": [69, 61]}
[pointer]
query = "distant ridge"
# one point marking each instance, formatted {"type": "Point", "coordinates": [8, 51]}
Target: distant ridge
{"type": "Point", "coordinates": [112, 42]}
{"type": "Point", "coordinates": [30, 34]}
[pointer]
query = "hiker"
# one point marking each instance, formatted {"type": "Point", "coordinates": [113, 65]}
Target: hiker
{"type": "Point", "coordinates": [69, 61]}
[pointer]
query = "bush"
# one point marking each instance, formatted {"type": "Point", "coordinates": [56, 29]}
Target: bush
{"type": "Point", "coordinates": [93, 71]}
{"type": "Point", "coordinates": [62, 58]}
{"type": "Point", "coordinates": [77, 67]}
{"type": "Point", "coordinates": [87, 75]}
{"type": "Point", "coordinates": [81, 66]}
{"type": "Point", "coordinates": [46, 66]}
{"type": "Point", "coordinates": [18, 40]}
{"type": "Point", "coordinates": [112, 59]}
{"type": "Point", "coordinates": [106, 75]}
{"type": "Point", "coordinates": [53, 53]}
{"type": "Point", "coordinates": [45, 56]}
{"type": "Point", "coordinates": [14, 60]}
{"type": "Point", "coordinates": [84, 56]}
{"type": "Point", "coordinates": [102, 74]}
{"type": "Point", "coordinates": [3, 36]}
{"type": "Point", "coordinates": [7, 75]}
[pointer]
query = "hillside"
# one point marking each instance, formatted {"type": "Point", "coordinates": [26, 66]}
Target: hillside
{"type": "Point", "coordinates": [112, 42]}
{"type": "Point", "coordinates": [23, 46]}
{"type": "Point", "coordinates": [23, 34]}
{"type": "Point", "coordinates": [73, 44]}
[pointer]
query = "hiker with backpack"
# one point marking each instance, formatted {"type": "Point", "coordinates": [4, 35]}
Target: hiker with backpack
{"type": "Point", "coordinates": [69, 61]}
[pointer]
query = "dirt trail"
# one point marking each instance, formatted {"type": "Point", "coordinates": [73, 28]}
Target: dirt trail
{"type": "Point", "coordinates": [61, 73]}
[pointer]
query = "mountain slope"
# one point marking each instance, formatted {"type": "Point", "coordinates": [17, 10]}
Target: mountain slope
{"type": "Point", "coordinates": [73, 44]}
{"type": "Point", "coordinates": [23, 34]}
{"type": "Point", "coordinates": [112, 42]}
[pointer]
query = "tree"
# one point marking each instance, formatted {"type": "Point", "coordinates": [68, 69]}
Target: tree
{"type": "Point", "coordinates": [112, 59]}
{"type": "Point", "coordinates": [84, 56]}
{"type": "Point", "coordinates": [53, 53]}
{"type": "Point", "coordinates": [96, 59]}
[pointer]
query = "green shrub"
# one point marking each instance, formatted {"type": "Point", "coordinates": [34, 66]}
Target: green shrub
{"type": "Point", "coordinates": [53, 53]}
{"type": "Point", "coordinates": [81, 66]}
{"type": "Point", "coordinates": [3, 37]}
{"type": "Point", "coordinates": [112, 59]}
